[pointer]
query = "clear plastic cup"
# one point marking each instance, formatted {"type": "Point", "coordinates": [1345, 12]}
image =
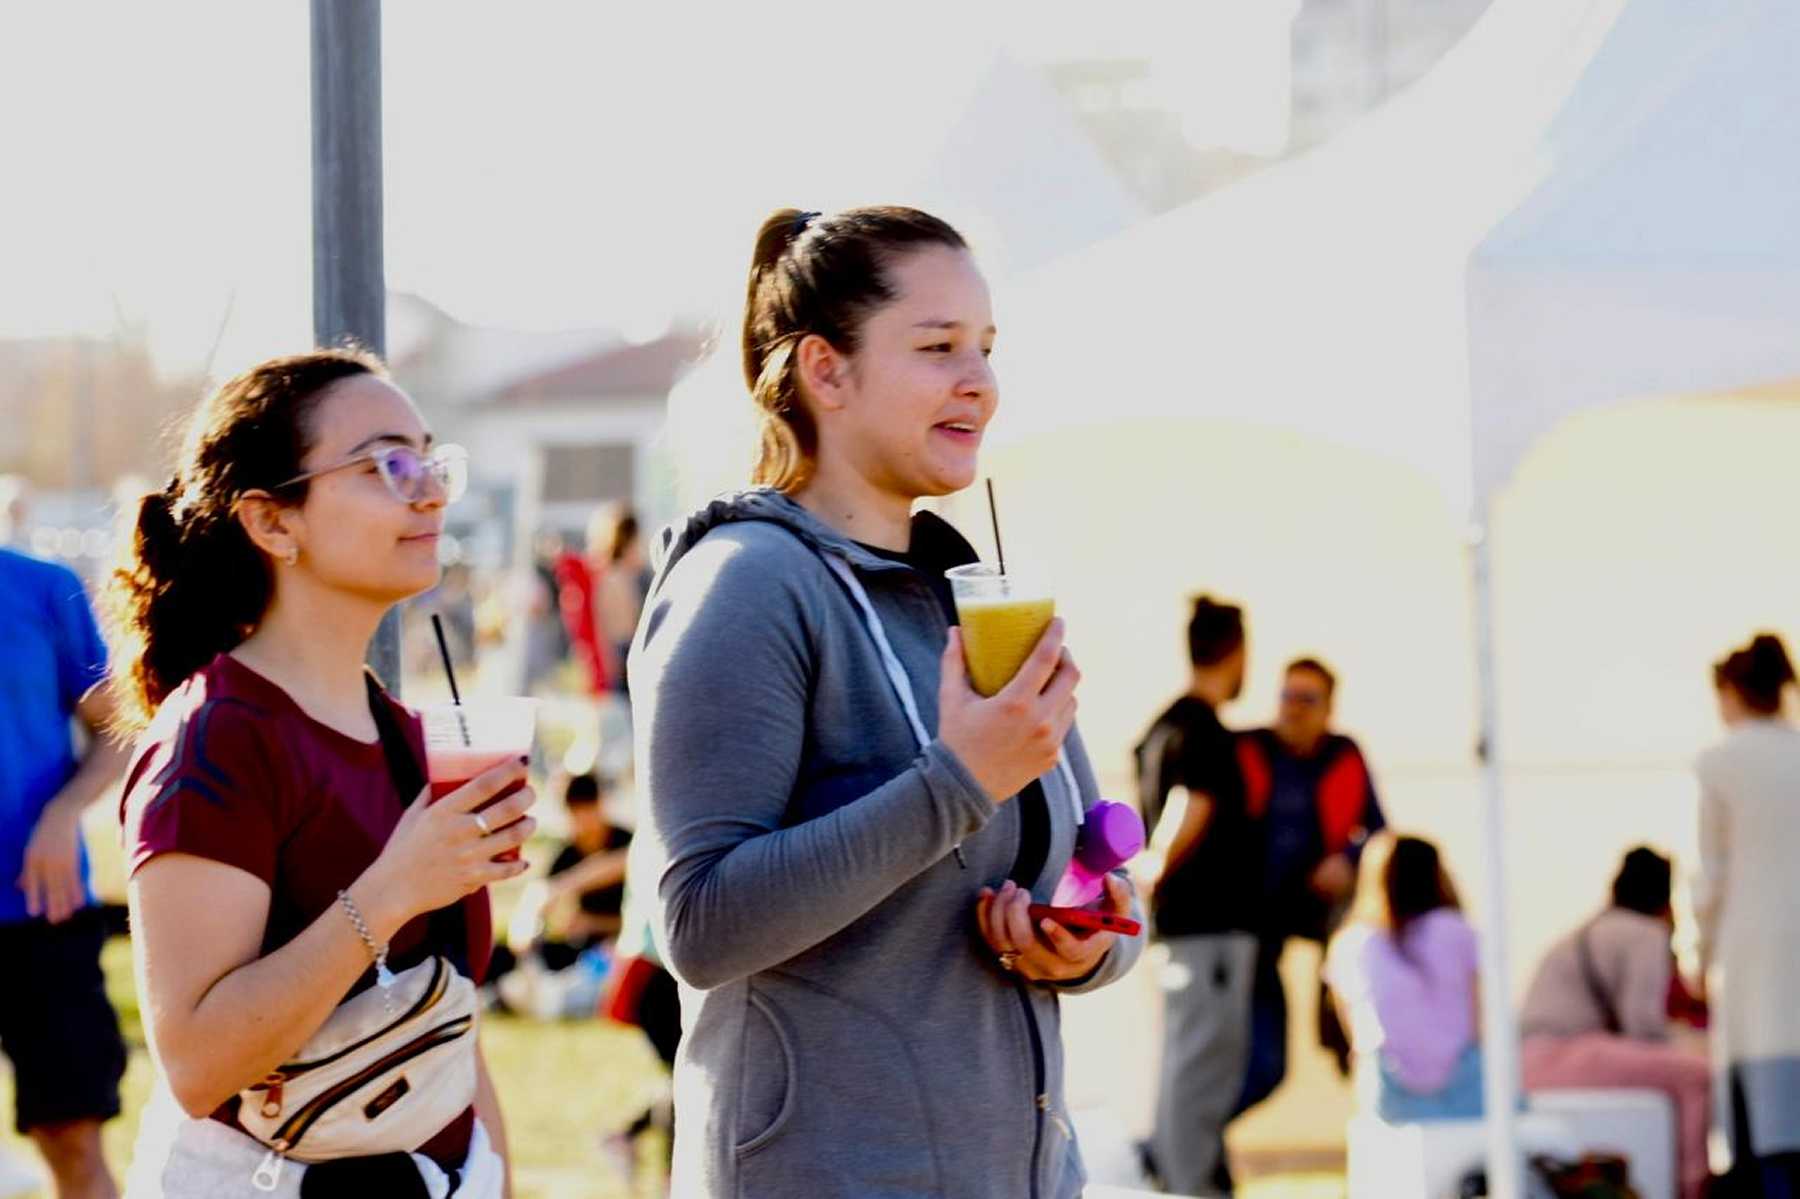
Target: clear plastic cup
{"type": "Point", "coordinates": [463, 740]}
{"type": "Point", "coordinates": [1003, 617]}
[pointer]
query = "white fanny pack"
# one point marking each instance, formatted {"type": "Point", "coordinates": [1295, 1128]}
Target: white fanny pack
{"type": "Point", "coordinates": [390, 1069]}
{"type": "Point", "coordinates": [179, 1157]}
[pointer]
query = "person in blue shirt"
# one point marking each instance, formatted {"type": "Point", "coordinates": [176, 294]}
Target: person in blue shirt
{"type": "Point", "coordinates": [56, 1025]}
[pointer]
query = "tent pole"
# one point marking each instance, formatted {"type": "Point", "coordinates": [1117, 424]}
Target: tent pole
{"type": "Point", "coordinates": [1500, 1032]}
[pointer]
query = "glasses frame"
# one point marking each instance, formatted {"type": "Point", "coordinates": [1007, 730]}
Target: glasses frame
{"type": "Point", "coordinates": [437, 462]}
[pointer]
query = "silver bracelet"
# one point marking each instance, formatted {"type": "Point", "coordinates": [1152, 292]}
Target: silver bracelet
{"type": "Point", "coordinates": [383, 976]}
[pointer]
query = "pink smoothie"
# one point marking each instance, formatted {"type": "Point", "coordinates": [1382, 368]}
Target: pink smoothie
{"type": "Point", "coordinates": [451, 768]}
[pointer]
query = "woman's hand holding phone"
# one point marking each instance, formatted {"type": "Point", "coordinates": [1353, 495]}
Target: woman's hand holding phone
{"type": "Point", "coordinates": [1045, 951]}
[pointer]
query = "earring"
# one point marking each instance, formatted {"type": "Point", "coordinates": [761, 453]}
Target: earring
{"type": "Point", "coordinates": [293, 557]}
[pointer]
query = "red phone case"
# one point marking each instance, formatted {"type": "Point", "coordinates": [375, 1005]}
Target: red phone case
{"type": "Point", "coordinates": [1087, 921]}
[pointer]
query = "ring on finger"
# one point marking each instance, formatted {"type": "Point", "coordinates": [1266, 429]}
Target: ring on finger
{"type": "Point", "coordinates": [1008, 959]}
{"type": "Point", "coordinates": [482, 824]}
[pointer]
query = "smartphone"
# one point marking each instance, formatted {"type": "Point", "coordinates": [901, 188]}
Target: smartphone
{"type": "Point", "coordinates": [1084, 920]}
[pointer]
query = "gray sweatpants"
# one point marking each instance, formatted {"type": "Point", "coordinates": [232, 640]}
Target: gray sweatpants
{"type": "Point", "coordinates": [1206, 989]}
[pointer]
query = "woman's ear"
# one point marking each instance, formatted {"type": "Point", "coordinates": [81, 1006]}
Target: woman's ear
{"type": "Point", "coordinates": [269, 524]}
{"type": "Point", "coordinates": [824, 373]}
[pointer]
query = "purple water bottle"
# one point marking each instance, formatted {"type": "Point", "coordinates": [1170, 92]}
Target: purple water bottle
{"type": "Point", "coordinates": [1111, 835]}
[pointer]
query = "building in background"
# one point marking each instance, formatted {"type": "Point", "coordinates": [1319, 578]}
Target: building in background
{"type": "Point", "coordinates": [80, 416]}
{"type": "Point", "coordinates": [557, 423]}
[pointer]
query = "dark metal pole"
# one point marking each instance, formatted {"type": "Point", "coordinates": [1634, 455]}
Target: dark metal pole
{"type": "Point", "coordinates": [349, 282]}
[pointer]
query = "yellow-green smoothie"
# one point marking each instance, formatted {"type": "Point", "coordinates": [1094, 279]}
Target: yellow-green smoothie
{"type": "Point", "coordinates": [1002, 621]}
{"type": "Point", "coordinates": [998, 635]}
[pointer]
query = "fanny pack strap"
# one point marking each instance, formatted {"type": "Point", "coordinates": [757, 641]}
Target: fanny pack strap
{"type": "Point", "coordinates": [902, 684]}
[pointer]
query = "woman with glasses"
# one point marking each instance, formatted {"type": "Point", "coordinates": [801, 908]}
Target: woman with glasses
{"type": "Point", "coordinates": [286, 872]}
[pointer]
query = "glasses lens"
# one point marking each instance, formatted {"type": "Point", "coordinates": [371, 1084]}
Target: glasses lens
{"type": "Point", "coordinates": [451, 466]}
{"type": "Point", "coordinates": [403, 471]}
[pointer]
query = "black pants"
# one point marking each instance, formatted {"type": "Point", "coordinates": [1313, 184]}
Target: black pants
{"type": "Point", "coordinates": [1268, 1028]}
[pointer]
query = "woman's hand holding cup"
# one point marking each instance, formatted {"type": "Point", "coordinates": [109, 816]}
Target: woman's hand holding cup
{"type": "Point", "coordinates": [1014, 737]}
{"type": "Point", "coordinates": [443, 851]}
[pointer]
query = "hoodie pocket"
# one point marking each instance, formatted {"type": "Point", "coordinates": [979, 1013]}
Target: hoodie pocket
{"type": "Point", "coordinates": [766, 1089]}
{"type": "Point", "coordinates": [852, 1118]}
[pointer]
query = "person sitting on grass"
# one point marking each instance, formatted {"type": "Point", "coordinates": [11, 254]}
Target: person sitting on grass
{"type": "Point", "coordinates": [574, 911]}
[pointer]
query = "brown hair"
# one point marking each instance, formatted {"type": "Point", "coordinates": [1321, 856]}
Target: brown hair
{"type": "Point", "coordinates": [1215, 632]}
{"type": "Point", "coordinates": [1759, 673]}
{"type": "Point", "coordinates": [1400, 879]}
{"type": "Point", "coordinates": [191, 584]}
{"type": "Point", "coordinates": [811, 274]}
{"type": "Point", "coordinates": [1315, 667]}
{"type": "Point", "coordinates": [614, 530]}
{"type": "Point", "coordinates": [1415, 884]}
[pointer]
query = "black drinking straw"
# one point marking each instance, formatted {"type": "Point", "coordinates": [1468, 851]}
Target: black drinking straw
{"type": "Point", "coordinates": [437, 626]}
{"type": "Point", "coordinates": [993, 515]}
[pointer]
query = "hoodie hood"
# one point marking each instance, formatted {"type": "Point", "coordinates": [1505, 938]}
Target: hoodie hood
{"type": "Point", "coordinates": [931, 533]}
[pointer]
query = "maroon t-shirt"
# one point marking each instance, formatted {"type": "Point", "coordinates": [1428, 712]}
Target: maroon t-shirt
{"type": "Point", "coordinates": [232, 770]}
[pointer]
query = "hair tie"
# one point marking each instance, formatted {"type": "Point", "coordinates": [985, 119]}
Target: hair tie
{"type": "Point", "coordinates": [802, 221]}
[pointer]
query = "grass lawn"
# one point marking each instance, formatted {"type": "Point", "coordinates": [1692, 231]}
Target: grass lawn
{"type": "Point", "coordinates": [562, 1087]}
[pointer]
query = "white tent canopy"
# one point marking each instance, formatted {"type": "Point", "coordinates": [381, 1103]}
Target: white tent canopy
{"type": "Point", "coordinates": [1661, 254]}
{"type": "Point", "coordinates": [1585, 203]}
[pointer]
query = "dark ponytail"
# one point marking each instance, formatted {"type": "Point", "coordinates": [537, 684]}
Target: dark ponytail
{"type": "Point", "coordinates": [1759, 673]}
{"type": "Point", "coordinates": [191, 584]}
{"type": "Point", "coordinates": [824, 275]}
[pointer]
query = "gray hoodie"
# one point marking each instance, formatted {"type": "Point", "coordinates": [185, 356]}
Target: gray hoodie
{"type": "Point", "coordinates": [847, 1031]}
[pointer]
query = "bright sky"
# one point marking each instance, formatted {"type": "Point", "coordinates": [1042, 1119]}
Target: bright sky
{"type": "Point", "coordinates": [571, 164]}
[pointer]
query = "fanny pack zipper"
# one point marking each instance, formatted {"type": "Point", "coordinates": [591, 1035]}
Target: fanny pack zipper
{"type": "Point", "coordinates": [434, 994]}
{"type": "Point", "coordinates": [288, 1137]}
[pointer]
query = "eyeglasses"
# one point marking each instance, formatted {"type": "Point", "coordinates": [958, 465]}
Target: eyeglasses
{"type": "Point", "coordinates": [407, 472]}
{"type": "Point", "coordinates": [1302, 699]}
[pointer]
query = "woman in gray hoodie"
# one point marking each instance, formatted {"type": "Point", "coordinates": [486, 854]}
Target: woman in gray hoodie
{"type": "Point", "coordinates": [848, 835]}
